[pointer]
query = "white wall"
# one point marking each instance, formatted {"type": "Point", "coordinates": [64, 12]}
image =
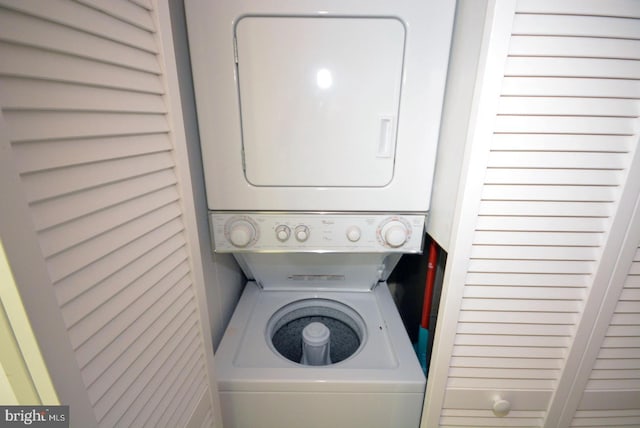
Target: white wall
{"type": "Point", "coordinates": [223, 278]}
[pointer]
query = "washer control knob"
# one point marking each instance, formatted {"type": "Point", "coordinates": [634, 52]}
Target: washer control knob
{"type": "Point", "coordinates": [283, 233]}
{"type": "Point", "coordinates": [353, 234]}
{"type": "Point", "coordinates": [302, 233]}
{"type": "Point", "coordinates": [241, 233]}
{"type": "Point", "coordinates": [395, 233]}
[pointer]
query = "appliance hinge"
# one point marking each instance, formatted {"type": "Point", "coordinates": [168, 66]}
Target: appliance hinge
{"type": "Point", "coordinates": [235, 49]}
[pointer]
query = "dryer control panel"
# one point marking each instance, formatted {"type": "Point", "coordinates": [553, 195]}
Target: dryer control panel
{"type": "Point", "coordinates": [316, 232]}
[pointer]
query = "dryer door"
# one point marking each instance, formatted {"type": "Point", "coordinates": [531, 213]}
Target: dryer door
{"type": "Point", "coordinates": [319, 99]}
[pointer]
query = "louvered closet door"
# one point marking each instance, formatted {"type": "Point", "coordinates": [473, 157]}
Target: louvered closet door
{"type": "Point", "coordinates": [83, 98]}
{"type": "Point", "coordinates": [558, 105]}
{"type": "Point", "coordinates": [612, 394]}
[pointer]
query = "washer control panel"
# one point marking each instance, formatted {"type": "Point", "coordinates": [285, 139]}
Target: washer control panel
{"type": "Point", "coordinates": [316, 232]}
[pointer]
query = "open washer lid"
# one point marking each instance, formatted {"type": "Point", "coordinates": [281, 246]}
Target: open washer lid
{"type": "Point", "coordinates": [345, 271]}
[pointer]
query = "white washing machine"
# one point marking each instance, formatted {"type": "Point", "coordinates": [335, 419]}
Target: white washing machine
{"type": "Point", "coordinates": [369, 375]}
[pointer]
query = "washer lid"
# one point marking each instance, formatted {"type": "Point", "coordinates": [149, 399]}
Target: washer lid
{"type": "Point", "coordinates": [346, 272]}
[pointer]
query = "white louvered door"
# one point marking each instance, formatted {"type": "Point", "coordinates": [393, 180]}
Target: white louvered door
{"type": "Point", "coordinates": [550, 179]}
{"type": "Point", "coordinates": [611, 395]}
{"type": "Point", "coordinates": [85, 95]}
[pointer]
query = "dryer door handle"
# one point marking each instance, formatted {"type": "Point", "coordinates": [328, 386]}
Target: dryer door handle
{"type": "Point", "coordinates": [385, 140]}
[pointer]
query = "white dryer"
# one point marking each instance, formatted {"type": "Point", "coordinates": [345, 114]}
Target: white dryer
{"type": "Point", "coordinates": [370, 377]}
{"type": "Point", "coordinates": [319, 105]}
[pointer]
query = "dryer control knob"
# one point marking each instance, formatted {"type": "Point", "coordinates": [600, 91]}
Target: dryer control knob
{"type": "Point", "coordinates": [302, 233]}
{"type": "Point", "coordinates": [353, 234]}
{"type": "Point", "coordinates": [283, 232]}
{"type": "Point", "coordinates": [241, 233]}
{"type": "Point", "coordinates": [395, 233]}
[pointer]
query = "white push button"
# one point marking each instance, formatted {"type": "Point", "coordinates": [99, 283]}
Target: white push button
{"type": "Point", "coordinates": [353, 234]}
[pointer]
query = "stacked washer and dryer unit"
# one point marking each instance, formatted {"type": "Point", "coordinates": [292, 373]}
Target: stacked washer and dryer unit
{"type": "Point", "coordinates": [318, 123]}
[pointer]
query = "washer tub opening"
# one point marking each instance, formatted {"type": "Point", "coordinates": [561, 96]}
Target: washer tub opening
{"type": "Point", "coordinates": [347, 329]}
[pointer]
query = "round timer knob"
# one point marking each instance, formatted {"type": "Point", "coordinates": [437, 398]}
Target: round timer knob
{"type": "Point", "coordinates": [241, 233]}
{"type": "Point", "coordinates": [395, 233]}
{"type": "Point", "coordinates": [283, 232]}
{"type": "Point", "coordinates": [353, 234]}
{"type": "Point", "coordinates": [302, 233]}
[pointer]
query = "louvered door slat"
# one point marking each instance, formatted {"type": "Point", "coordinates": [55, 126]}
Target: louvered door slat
{"type": "Point", "coordinates": [57, 125]}
{"type": "Point", "coordinates": [108, 393]}
{"type": "Point", "coordinates": [479, 383]}
{"type": "Point", "coordinates": [570, 87]}
{"type": "Point", "coordinates": [515, 352]}
{"type": "Point", "coordinates": [495, 317]}
{"type": "Point", "coordinates": [538, 238]}
{"type": "Point", "coordinates": [500, 252]}
{"type": "Point", "coordinates": [44, 34]}
{"type": "Point", "coordinates": [561, 209]}
{"type": "Point", "coordinates": [64, 208]}
{"type": "Point", "coordinates": [618, 363]}
{"type": "Point", "coordinates": [563, 143]}
{"type": "Point", "coordinates": [520, 328]}
{"type": "Point", "coordinates": [517, 174]}
{"type": "Point", "coordinates": [43, 95]}
{"type": "Point", "coordinates": [568, 160]}
{"type": "Point", "coordinates": [575, 47]}
{"type": "Point", "coordinates": [619, 8]}
{"type": "Point", "coordinates": [543, 224]}
{"type": "Point", "coordinates": [58, 239]}
{"type": "Point", "coordinates": [180, 350]}
{"type": "Point", "coordinates": [66, 263]}
{"type": "Point", "coordinates": [573, 67]}
{"type": "Point", "coordinates": [174, 391]}
{"type": "Point", "coordinates": [526, 279]}
{"type": "Point", "coordinates": [71, 69]}
{"type": "Point", "coordinates": [175, 413]}
{"type": "Point", "coordinates": [564, 125]}
{"type": "Point", "coordinates": [132, 304]}
{"type": "Point", "coordinates": [156, 397]}
{"type": "Point", "coordinates": [573, 24]}
{"type": "Point", "coordinates": [531, 267]}
{"type": "Point", "coordinates": [543, 307]}
{"type": "Point", "coordinates": [538, 292]}
{"type": "Point", "coordinates": [125, 11]}
{"type": "Point", "coordinates": [57, 182]}
{"type": "Point", "coordinates": [548, 193]}
{"type": "Point", "coordinates": [86, 19]}
{"type": "Point", "coordinates": [104, 406]}
{"type": "Point", "coordinates": [146, 4]}
{"type": "Point", "coordinates": [82, 282]}
{"type": "Point", "coordinates": [557, 106]}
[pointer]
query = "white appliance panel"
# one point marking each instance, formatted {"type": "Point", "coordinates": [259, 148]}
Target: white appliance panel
{"type": "Point", "coordinates": [328, 180]}
{"type": "Point", "coordinates": [273, 232]}
{"type": "Point", "coordinates": [327, 118]}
